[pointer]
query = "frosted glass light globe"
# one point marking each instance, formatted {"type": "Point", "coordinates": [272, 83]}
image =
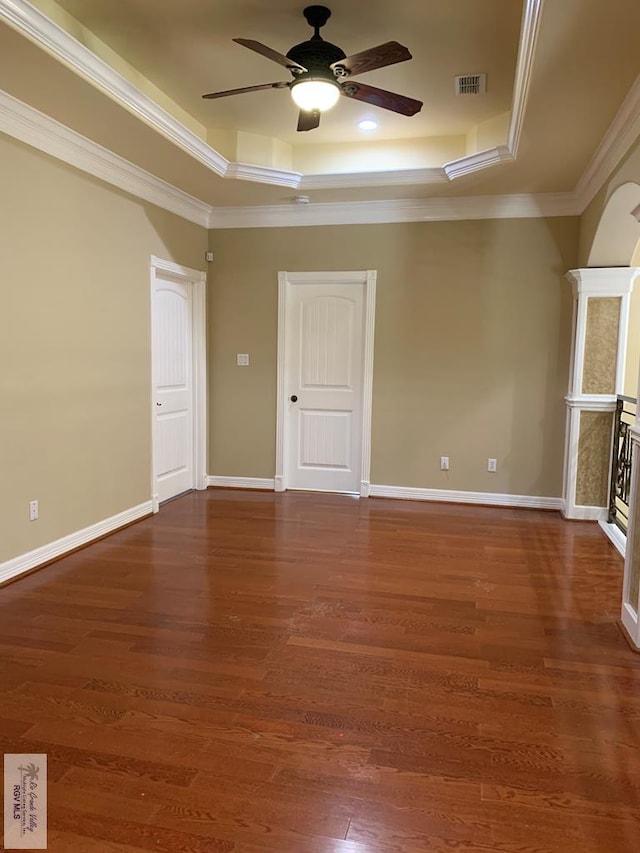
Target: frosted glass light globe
{"type": "Point", "coordinates": [312, 95]}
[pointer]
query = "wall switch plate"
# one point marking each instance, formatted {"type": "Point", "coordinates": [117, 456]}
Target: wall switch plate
{"type": "Point", "coordinates": [33, 510]}
{"type": "Point", "coordinates": [492, 465]}
{"type": "Point", "coordinates": [242, 359]}
{"type": "Point", "coordinates": [444, 463]}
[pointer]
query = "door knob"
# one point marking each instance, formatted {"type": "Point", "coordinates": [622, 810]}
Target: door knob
{"type": "Point", "coordinates": [293, 398]}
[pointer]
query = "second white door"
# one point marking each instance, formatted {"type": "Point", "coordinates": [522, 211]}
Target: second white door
{"type": "Point", "coordinates": [172, 352]}
{"type": "Point", "coordinates": [324, 383]}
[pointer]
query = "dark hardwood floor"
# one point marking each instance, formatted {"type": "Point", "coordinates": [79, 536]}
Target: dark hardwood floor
{"type": "Point", "coordinates": [302, 673]}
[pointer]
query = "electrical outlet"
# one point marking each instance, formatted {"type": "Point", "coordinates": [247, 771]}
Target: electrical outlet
{"type": "Point", "coordinates": [444, 463]}
{"type": "Point", "coordinates": [33, 510]}
{"type": "Point", "coordinates": [242, 359]}
{"type": "Point", "coordinates": [492, 465]}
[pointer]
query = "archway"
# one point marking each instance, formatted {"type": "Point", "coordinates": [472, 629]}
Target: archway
{"type": "Point", "coordinates": [617, 244]}
{"type": "Point", "coordinates": [618, 232]}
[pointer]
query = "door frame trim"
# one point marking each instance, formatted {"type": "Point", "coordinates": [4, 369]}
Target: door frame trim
{"type": "Point", "coordinates": [163, 269]}
{"type": "Point", "coordinates": [286, 280]}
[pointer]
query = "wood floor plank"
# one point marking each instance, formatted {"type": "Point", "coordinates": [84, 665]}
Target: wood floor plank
{"type": "Point", "coordinates": [70, 842]}
{"type": "Point", "coordinates": [137, 834]}
{"type": "Point", "coordinates": [250, 672]}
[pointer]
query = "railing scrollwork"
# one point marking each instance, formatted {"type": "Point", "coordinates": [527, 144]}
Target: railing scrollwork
{"type": "Point", "coordinates": [620, 479]}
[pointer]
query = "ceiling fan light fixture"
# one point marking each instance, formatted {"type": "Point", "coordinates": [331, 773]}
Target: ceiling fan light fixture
{"type": "Point", "coordinates": [319, 71]}
{"type": "Point", "coordinates": [315, 95]}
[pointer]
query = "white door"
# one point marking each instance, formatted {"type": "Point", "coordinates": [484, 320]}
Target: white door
{"type": "Point", "coordinates": [323, 386]}
{"type": "Point", "coordinates": [173, 398]}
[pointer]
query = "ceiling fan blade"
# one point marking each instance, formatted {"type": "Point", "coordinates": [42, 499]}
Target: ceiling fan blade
{"type": "Point", "coordinates": [308, 120]}
{"type": "Point", "coordinates": [381, 98]}
{"type": "Point", "coordinates": [263, 50]}
{"type": "Point", "coordinates": [376, 57]}
{"type": "Point", "coordinates": [246, 89]}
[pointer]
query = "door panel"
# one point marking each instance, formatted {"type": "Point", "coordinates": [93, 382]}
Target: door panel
{"type": "Point", "coordinates": [173, 387]}
{"type": "Point", "coordinates": [326, 342]}
{"type": "Point", "coordinates": [324, 372]}
{"type": "Point", "coordinates": [325, 439]}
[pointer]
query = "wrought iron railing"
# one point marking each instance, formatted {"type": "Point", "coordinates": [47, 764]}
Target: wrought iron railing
{"type": "Point", "coordinates": [621, 463]}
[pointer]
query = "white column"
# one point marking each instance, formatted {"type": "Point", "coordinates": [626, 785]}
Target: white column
{"type": "Point", "coordinates": [631, 584]}
{"type": "Point", "coordinates": [591, 346]}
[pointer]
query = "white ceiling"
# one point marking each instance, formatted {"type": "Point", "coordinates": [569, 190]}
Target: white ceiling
{"type": "Point", "coordinates": [584, 62]}
{"type": "Point", "coordinates": [186, 49]}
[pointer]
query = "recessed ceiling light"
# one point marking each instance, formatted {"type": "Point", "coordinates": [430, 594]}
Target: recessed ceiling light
{"type": "Point", "coordinates": [367, 125]}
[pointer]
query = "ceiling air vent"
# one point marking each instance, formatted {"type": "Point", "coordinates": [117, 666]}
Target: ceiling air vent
{"type": "Point", "coordinates": [471, 84]}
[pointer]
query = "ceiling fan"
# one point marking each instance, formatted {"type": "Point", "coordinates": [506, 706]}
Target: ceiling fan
{"type": "Point", "coordinates": [322, 72]}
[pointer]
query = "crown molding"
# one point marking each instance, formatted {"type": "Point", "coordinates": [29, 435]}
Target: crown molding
{"type": "Point", "coordinates": [410, 177]}
{"type": "Point", "coordinates": [392, 178]}
{"type": "Point", "coordinates": [395, 210]}
{"type": "Point", "coordinates": [531, 16]}
{"type": "Point", "coordinates": [473, 162]}
{"type": "Point", "coordinates": [36, 26]}
{"type": "Point", "coordinates": [264, 175]}
{"type": "Point", "coordinates": [476, 162]}
{"type": "Point", "coordinates": [38, 130]}
{"type": "Point", "coordinates": [528, 39]}
{"type": "Point", "coordinates": [620, 136]}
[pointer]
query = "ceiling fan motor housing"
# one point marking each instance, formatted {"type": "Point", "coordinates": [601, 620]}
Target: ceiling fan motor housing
{"type": "Point", "coordinates": [316, 55]}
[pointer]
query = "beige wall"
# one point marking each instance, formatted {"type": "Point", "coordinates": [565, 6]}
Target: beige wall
{"type": "Point", "coordinates": [632, 361]}
{"type": "Point", "coordinates": [75, 345]}
{"type": "Point", "coordinates": [628, 170]}
{"type": "Point", "coordinates": [471, 350]}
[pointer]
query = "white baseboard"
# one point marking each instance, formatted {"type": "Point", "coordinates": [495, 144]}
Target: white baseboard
{"type": "Point", "coordinates": [629, 619]}
{"type": "Point", "coordinates": [584, 513]}
{"type": "Point", "coordinates": [18, 565]}
{"type": "Point", "coordinates": [615, 535]}
{"type": "Point", "coordinates": [406, 493]}
{"type": "Point", "coordinates": [241, 482]}
{"type": "Point", "coordinates": [451, 496]}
